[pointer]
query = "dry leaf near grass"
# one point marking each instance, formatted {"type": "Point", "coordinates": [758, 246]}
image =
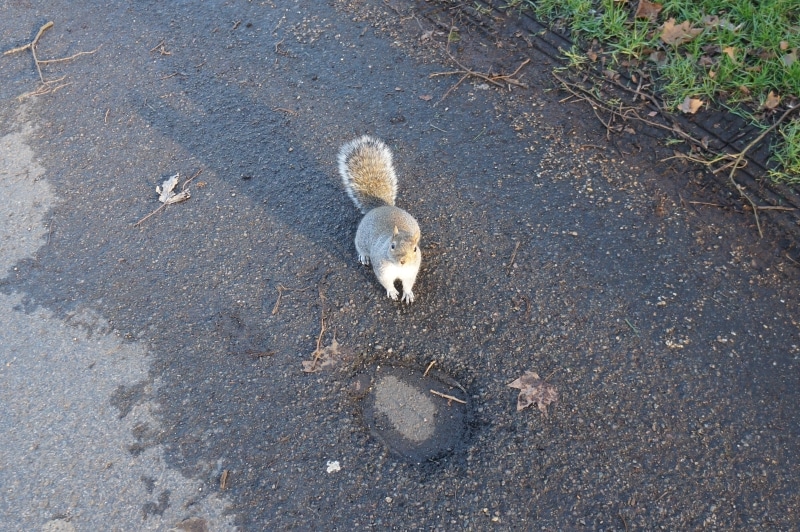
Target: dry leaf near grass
{"type": "Point", "coordinates": [730, 51]}
{"type": "Point", "coordinates": [326, 357]}
{"type": "Point", "coordinates": [533, 390]}
{"type": "Point", "coordinates": [772, 101]}
{"type": "Point", "coordinates": [677, 34]}
{"type": "Point", "coordinates": [690, 105]}
{"type": "Point", "coordinates": [647, 10]}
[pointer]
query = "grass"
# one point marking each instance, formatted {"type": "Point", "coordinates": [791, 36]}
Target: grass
{"type": "Point", "coordinates": [744, 56]}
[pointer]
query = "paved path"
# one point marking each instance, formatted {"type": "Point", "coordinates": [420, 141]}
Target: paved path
{"type": "Point", "coordinates": [152, 375]}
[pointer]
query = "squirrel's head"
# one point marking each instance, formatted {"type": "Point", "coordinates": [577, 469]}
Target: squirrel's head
{"type": "Point", "coordinates": [405, 246]}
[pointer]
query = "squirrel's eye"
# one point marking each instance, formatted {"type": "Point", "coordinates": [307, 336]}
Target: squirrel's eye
{"type": "Point", "coordinates": [393, 244]}
{"type": "Point", "coordinates": [415, 249]}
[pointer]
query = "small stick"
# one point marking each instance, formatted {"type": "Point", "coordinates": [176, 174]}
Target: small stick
{"type": "Point", "coordinates": [739, 158]}
{"type": "Point", "coordinates": [287, 111]}
{"type": "Point", "coordinates": [260, 354]}
{"type": "Point", "coordinates": [186, 183]}
{"type": "Point", "coordinates": [428, 368]}
{"type": "Point", "coordinates": [776, 208]}
{"type": "Point", "coordinates": [163, 205]}
{"type": "Point", "coordinates": [466, 72]}
{"type": "Point", "coordinates": [448, 397]}
{"type": "Point", "coordinates": [31, 44]}
{"type": "Point", "coordinates": [223, 481]}
{"type": "Point", "coordinates": [632, 327]}
{"type": "Point", "coordinates": [705, 203]}
{"type": "Point", "coordinates": [281, 288]}
{"type": "Point", "coordinates": [323, 327]}
{"type": "Point", "coordinates": [451, 89]}
{"type": "Point", "coordinates": [551, 374]}
{"type": "Point", "coordinates": [162, 46]}
{"type": "Point", "coordinates": [73, 56]}
{"type": "Point", "coordinates": [513, 256]}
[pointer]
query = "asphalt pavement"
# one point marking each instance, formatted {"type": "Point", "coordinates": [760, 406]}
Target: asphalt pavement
{"type": "Point", "coordinates": [152, 355]}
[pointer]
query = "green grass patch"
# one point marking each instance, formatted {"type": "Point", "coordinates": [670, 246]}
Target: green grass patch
{"type": "Point", "coordinates": [741, 54]}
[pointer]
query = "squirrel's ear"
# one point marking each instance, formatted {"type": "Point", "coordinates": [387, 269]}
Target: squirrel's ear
{"type": "Point", "coordinates": [395, 231]}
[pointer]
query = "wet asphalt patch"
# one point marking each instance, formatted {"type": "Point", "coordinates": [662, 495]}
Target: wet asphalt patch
{"type": "Point", "coordinates": [419, 416]}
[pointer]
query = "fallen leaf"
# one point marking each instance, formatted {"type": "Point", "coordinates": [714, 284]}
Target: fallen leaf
{"type": "Point", "coordinates": [730, 51]}
{"type": "Point", "coordinates": [677, 34]}
{"type": "Point", "coordinates": [726, 25]}
{"type": "Point", "coordinates": [165, 190]}
{"type": "Point", "coordinates": [690, 105]}
{"type": "Point", "coordinates": [705, 61]}
{"type": "Point", "coordinates": [326, 357]}
{"type": "Point", "coordinates": [183, 195]}
{"type": "Point", "coordinates": [789, 58]}
{"type": "Point", "coordinates": [772, 100]}
{"type": "Point", "coordinates": [425, 97]}
{"type": "Point", "coordinates": [648, 10]}
{"type": "Point", "coordinates": [784, 45]}
{"type": "Point", "coordinates": [659, 58]}
{"type": "Point", "coordinates": [533, 390]}
{"type": "Point", "coordinates": [710, 21]}
{"type": "Point", "coordinates": [610, 74]}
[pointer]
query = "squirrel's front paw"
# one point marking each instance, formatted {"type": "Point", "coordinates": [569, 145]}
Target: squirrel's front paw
{"type": "Point", "coordinates": [393, 293]}
{"type": "Point", "coordinates": [408, 297]}
{"type": "Point", "coordinates": [363, 259]}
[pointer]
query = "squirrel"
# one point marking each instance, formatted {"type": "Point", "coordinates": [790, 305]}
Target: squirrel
{"type": "Point", "coordinates": [387, 236]}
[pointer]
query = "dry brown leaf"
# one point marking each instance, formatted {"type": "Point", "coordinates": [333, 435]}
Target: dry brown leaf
{"type": "Point", "coordinates": [648, 10]}
{"type": "Point", "coordinates": [784, 45]}
{"type": "Point", "coordinates": [533, 390]}
{"type": "Point", "coordinates": [705, 61]}
{"type": "Point", "coordinates": [326, 357]}
{"type": "Point", "coordinates": [659, 58]}
{"type": "Point", "coordinates": [772, 100]}
{"type": "Point", "coordinates": [690, 105]}
{"type": "Point", "coordinates": [730, 51]}
{"type": "Point", "coordinates": [710, 21]}
{"type": "Point", "coordinates": [677, 34]}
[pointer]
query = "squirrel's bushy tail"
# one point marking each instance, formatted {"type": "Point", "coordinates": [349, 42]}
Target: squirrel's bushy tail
{"type": "Point", "coordinates": [365, 165]}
